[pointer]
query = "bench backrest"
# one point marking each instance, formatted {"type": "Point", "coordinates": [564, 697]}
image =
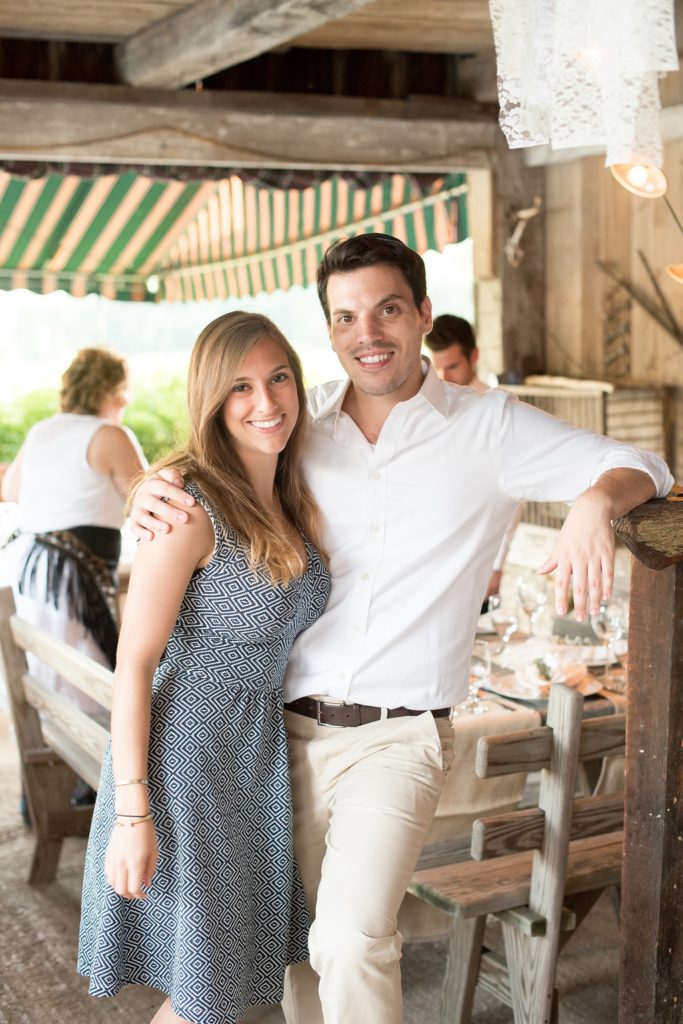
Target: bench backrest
{"type": "Point", "coordinates": [559, 818]}
{"type": "Point", "coordinates": [45, 719]}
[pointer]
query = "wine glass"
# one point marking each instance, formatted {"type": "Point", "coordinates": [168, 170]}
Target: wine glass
{"type": "Point", "coordinates": [504, 619]}
{"type": "Point", "coordinates": [609, 625]}
{"type": "Point", "coordinates": [480, 671]}
{"type": "Point", "coordinates": [532, 594]}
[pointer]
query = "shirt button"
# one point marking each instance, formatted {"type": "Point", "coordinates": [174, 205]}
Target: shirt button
{"type": "Point", "coordinates": [374, 528]}
{"type": "Point", "coordinates": [365, 576]}
{"type": "Point", "coordinates": [376, 476]}
{"type": "Point", "coordinates": [356, 628]}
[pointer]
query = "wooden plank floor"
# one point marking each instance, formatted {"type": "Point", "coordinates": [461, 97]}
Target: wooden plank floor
{"type": "Point", "coordinates": [39, 931]}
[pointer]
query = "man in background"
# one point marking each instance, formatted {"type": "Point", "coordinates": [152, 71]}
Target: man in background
{"type": "Point", "coordinates": [453, 351]}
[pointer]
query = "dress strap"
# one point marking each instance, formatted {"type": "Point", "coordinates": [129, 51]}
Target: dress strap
{"type": "Point", "coordinates": [223, 533]}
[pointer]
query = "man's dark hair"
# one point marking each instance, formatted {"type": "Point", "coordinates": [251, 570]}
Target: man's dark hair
{"type": "Point", "coordinates": [450, 330]}
{"type": "Point", "coordinates": [368, 251]}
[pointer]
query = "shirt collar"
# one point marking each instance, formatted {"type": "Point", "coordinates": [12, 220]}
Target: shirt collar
{"type": "Point", "coordinates": [332, 405]}
{"type": "Point", "coordinates": [432, 391]}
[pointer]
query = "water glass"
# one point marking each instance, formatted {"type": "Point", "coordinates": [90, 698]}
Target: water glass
{"type": "Point", "coordinates": [532, 594]}
{"type": "Point", "coordinates": [609, 625]}
{"type": "Point", "coordinates": [480, 673]}
{"type": "Point", "coordinates": [505, 621]}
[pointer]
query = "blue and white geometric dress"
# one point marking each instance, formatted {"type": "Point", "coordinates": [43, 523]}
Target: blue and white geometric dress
{"type": "Point", "coordinates": [226, 911]}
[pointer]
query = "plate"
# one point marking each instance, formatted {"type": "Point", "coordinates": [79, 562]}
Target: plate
{"type": "Point", "coordinates": [507, 686]}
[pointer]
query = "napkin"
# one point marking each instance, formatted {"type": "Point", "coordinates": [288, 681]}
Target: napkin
{"type": "Point", "coordinates": [485, 624]}
{"type": "Point", "coordinates": [532, 682]}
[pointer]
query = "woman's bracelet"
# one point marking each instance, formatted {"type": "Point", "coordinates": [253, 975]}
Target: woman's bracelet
{"type": "Point", "coordinates": [133, 815]}
{"type": "Point", "coordinates": [132, 782]}
{"type": "Point", "coordinates": [131, 824]}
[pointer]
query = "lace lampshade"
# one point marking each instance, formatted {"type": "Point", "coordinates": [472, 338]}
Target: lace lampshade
{"type": "Point", "coordinates": [578, 74]}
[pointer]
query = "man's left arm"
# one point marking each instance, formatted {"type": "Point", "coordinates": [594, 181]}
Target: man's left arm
{"type": "Point", "coordinates": [546, 459]}
{"type": "Point", "coordinates": [584, 552]}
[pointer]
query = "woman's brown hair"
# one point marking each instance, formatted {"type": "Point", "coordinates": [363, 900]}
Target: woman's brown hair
{"type": "Point", "coordinates": [210, 458]}
{"type": "Point", "coordinates": [93, 374]}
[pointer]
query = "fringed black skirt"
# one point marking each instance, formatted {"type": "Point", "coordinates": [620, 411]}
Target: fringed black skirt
{"type": "Point", "coordinates": [78, 566]}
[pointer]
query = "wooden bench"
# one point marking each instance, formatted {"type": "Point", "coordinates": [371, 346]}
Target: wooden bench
{"type": "Point", "coordinates": [539, 869]}
{"type": "Point", "coordinates": [57, 742]}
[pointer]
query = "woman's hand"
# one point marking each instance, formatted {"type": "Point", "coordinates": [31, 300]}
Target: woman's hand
{"type": "Point", "coordinates": [131, 859]}
{"type": "Point", "coordinates": [159, 501]}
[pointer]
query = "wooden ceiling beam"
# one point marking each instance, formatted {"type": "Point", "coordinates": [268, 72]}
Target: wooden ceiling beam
{"type": "Point", "coordinates": [117, 124]}
{"type": "Point", "coordinates": [212, 35]}
{"type": "Point", "coordinates": [433, 26]}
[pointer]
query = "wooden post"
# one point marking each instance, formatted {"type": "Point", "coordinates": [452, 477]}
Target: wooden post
{"type": "Point", "coordinates": [651, 969]}
{"type": "Point", "coordinates": [510, 300]}
{"type": "Point", "coordinates": [523, 286]}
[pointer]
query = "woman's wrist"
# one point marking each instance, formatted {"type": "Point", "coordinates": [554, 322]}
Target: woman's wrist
{"type": "Point", "coordinates": [131, 820]}
{"type": "Point", "coordinates": [131, 795]}
{"type": "Point", "coordinates": [140, 806]}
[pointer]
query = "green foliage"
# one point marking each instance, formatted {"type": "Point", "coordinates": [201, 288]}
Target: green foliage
{"type": "Point", "coordinates": [157, 416]}
{"type": "Point", "coordinates": [16, 419]}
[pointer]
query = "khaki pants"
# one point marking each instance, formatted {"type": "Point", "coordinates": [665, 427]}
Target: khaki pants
{"type": "Point", "coordinates": [364, 799]}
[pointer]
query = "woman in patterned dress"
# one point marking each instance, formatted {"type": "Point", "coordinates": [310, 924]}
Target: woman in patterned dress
{"type": "Point", "coordinates": [190, 882]}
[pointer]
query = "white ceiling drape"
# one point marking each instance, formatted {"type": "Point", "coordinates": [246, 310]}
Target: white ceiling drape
{"type": "Point", "coordinates": [578, 73]}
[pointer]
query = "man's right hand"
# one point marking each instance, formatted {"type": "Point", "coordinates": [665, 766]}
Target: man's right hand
{"type": "Point", "coordinates": [159, 502]}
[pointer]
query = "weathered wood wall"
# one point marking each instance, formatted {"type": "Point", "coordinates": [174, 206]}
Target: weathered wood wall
{"type": "Point", "coordinates": [594, 328]}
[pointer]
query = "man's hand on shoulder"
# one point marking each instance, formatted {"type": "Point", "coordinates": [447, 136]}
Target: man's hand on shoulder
{"type": "Point", "coordinates": [159, 502]}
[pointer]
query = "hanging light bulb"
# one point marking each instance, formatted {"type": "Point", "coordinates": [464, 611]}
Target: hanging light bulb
{"type": "Point", "coordinates": [650, 183]}
{"type": "Point", "coordinates": [642, 179]}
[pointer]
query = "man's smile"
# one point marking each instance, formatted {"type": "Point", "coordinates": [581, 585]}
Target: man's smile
{"type": "Point", "coordinates": [371, 359]}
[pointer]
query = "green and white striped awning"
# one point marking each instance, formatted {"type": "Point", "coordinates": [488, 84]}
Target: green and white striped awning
{"type": "Point", "coordinates": [129, 236]}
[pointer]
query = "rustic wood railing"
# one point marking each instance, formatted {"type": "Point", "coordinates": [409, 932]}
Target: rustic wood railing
{"type": "Point", "coordinates": [651, 970]}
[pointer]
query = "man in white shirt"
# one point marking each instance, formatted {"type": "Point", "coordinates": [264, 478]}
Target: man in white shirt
{"type": "Point", "coordinates": [416, 481]}
{"type": "Point", "coordinates": [454, 355]}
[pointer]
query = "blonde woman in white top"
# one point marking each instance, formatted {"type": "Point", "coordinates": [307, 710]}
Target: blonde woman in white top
{"type": "Point", "coordinates": [70, 481]}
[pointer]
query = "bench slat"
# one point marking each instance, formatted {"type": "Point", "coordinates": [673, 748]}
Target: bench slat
{"type": "Point", "coordinates": [512, 752]}
{"type": "Point", "coordinates": [529, 751]}
{"type": "Point", "coordinates": [447, 852]}
{"type": "Point", "coordinates": [83, 732]}
{"type": "Point", "coordinates": [85, 766]}
{"type": "Point", "coordinates": [516, 831]}
{"type": "Point", "coordinates": [474, 888]}
{"type": "Point", "coordinates": [94, 680]}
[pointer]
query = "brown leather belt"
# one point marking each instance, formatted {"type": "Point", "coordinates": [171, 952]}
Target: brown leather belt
{"type": "Point", "coordinates": [339, 715]}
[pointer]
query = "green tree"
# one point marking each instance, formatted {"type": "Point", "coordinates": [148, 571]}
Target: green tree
{"type": "Point", "coordinates": [157, 416]}
{"type": "Point", "coordinates": [17, 419]}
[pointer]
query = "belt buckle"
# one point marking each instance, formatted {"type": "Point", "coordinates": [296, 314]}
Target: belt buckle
{"type": "Point", "coordinates": [334, 703]}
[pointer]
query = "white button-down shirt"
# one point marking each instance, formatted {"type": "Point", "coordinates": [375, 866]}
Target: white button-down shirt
{"type": "Point", "coordinates": [412, 525]}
